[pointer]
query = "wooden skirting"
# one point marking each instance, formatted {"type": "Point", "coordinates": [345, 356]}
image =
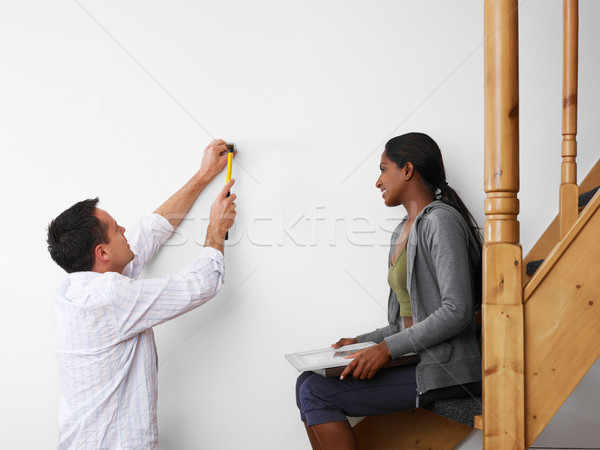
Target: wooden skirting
{"type": "Point", "coordinates": [413, 429]}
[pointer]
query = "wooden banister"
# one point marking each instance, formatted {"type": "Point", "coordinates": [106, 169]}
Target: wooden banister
{"type": "Point", "coordinates": [568, 188]}
{"type": "Point", "coordinates": [503, 353]}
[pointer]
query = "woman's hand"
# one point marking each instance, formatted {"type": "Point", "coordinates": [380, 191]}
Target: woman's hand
{"type": "Point", "coordinates": [344, 341]}
{"type": "Point", "coordinates": [367, 362]}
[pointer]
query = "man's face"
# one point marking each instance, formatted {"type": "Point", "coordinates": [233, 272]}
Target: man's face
{"type": "Point", "coordinates": [117, 247]}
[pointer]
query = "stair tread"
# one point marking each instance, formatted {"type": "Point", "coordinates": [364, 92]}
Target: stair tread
{"type": "Point", "coordinates": [461, 410]}
{"type": "Point", "coordinates": [584, 199]}
{"type": "Point", "coordinates": [532, 266]}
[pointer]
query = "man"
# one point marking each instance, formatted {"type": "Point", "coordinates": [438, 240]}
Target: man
{"type": "Point", "coordinates": [104, 314]}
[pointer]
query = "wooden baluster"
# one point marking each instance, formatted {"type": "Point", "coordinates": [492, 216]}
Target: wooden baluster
{"type": "Point", "coordinates": [503, 351]}
{"type": "Point", "coordinates": [568, 187]}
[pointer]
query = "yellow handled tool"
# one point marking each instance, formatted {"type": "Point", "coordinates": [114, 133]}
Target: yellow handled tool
{"type": "Point", "coordinates": [230, 150]}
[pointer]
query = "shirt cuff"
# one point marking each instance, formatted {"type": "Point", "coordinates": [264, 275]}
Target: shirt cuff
{"type": "Point", "coordinates": [213, 253]}
{"type": "Point", "coordinates": [161, 221]}
{"type": "Point", "coordinates": [207, 255]}
{"type": "Point", "coordinates": [160, 226]}
{"type": "Point", "coordinates": [218, 258]}
{"type": "Point", "coordinates": [399, 344]}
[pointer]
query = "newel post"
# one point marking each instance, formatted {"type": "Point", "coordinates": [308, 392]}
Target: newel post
{"type": "Point", "coordinates": [503, 341]}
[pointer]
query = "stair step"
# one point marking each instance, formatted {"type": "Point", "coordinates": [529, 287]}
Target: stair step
{"type": "Point", "coordinates": [417, 428]}
{"type": "Point", "coordinates": [532, 266]}
{"type": "Point", "coordinates": [461, 410]}
{"type": "Point", "coordinates": [478, 422]}
{"type": "Point", "coordinates": [584, 199]}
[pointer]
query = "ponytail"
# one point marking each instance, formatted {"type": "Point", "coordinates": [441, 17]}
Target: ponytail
{"type": "Point", "coordinates": [451, 197]}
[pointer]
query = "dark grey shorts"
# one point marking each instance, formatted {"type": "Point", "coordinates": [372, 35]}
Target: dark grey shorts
{"type": "Point", "coordinates": [323, 400]}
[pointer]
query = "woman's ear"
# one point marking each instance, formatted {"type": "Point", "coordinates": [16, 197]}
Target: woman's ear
{"type": "Point", "coordinates": [409, 170]}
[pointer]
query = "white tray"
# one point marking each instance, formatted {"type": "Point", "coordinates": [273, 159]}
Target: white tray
{"type": "Point", "coordinates": [324, 358]}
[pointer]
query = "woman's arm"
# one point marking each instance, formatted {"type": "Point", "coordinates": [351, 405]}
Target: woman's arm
{"type": "Point", "coordinates": [377, 335]}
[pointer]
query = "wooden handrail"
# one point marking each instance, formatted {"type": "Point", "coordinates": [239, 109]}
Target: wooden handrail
{"type": "Point", "coordinates": [568, 188]}
{"type": "Point", "coordinates": [503, 351]}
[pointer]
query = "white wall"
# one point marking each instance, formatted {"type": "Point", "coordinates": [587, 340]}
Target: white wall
{"type": "Point", "coordinates": [118, 99]}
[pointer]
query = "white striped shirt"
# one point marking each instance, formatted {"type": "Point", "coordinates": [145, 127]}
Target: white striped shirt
{"type": "Point", "coordinates": [105, 344]}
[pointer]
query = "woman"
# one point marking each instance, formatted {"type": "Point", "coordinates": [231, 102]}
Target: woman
{"type": "Point", "coordinates": [434, 256]}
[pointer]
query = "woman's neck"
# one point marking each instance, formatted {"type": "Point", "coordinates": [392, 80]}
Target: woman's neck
{"type": "Point", "coordinates": [417, 203]}
{"type": "Point", "coordinates": [416, 196]}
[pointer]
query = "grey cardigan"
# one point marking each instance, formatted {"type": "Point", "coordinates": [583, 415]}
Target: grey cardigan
{"type": "Point", "coordinates": [440, 253]}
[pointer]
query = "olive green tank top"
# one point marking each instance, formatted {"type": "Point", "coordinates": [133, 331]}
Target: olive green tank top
{"type": "Point", "coordinates": [397, 281]}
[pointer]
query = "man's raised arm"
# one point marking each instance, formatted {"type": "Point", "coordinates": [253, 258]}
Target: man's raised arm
{"type": "Point", "coordinates": [222, 211]}
{"type": "Point", "coordinates": [178, 205]}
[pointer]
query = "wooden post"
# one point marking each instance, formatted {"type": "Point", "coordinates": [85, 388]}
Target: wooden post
{"type": "Point", "coordinates": [503, 351]}
{"type": "Point", "coordinates": [568, 187]}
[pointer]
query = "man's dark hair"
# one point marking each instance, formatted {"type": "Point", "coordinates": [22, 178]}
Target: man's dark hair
{"type": "Point", "coordinates": [73, 236]}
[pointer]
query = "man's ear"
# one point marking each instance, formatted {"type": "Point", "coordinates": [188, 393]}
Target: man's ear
{"type": "Point", "coordinates": [101, 253]}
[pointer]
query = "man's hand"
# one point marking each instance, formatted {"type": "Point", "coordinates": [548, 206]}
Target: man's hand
{"type": "Point", "coordinates": [344, 341]}
{"type": "Point", "coordinates": [222, 215]}
{"type": "Point", "coordinates": [214, 159]}
{"type": "Point", "coordinates": [367, 362]}
{"type": "Point", "coordinates": [177, 206]}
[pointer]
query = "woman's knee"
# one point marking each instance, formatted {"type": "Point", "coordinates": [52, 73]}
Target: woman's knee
{"type": "Point", "coordinates": [313, 392]}
{"type": "Point", "coordinates": [299, 383]}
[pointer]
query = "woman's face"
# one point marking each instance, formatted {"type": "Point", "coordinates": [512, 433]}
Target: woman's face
{"type": "Point", "coordinates": [391, 182]}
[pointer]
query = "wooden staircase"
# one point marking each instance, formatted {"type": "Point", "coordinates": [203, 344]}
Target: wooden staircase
{"type": "Point", "coordinates": [541, 333]}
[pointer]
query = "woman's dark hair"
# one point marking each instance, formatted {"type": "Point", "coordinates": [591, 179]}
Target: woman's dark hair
{"type": "Point", "coordinates": [426, 157]}
{"type": "Point", "coordinates": [73, 236]}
